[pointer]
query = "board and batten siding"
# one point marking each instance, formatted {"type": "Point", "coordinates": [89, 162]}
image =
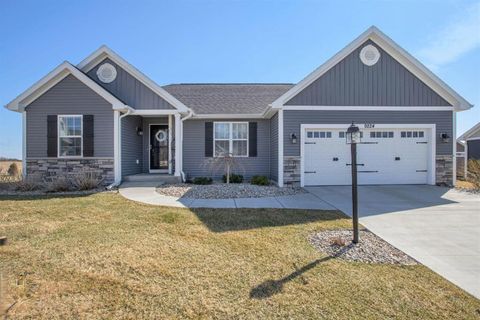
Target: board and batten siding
{"type": "Point", "coordinates": [129, 89]}
{"type": "Point", "coordinates": [195, 163]}
{"type": "Point", "coordinates": [293, 120]}
{"type": "Point", "coordinates": [274, 147]}
{"type": "Point", "coordinates": [69, 97]}
{"type": "Point", "coordinates": [352, 83]}
{"type": "Point", "coordinates": [131, 146]}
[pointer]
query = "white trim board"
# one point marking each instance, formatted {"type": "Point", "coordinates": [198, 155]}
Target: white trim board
{"type": "Point", "coordinates": [393, 49]}
{"type": "Point", "coordinates": [431, 127]}
{"type": "Point", "coordinates": [52, 78]}
{"type": "Point", "coordinates": [366, 108]}
{"type": "Point", "coordinates": [103, 52]}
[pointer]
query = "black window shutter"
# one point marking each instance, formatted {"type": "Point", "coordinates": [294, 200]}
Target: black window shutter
{"type": "Point", "coordinates": [52, 135]}
{"type": "Point", "coordinates": [252, 139]}
{"type": "Point", "coordinates": [208, 139]}
{"type": "Point", "coordinates": [88, 135]}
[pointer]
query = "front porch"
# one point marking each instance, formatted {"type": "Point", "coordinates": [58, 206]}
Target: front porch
{"type": "Point", "coordinates": [149, 146]}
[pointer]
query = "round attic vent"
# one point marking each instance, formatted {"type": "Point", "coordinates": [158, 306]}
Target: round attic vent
{"type": "Point", "coordinates": [369, 55]}
{"type": "Point", "coordinates": [106, 73]}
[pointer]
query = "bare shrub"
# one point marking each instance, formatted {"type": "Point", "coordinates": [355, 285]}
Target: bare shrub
{"type": "Point", "coordinates": [474, 173]}
{"type": "Point", "coordinates": [86, 180]}
{"type": "Point", "coordinates": [13, 169]}
{"type": "Point", "coordinates": [338, 241]}
{"type": "Point", "coordinates": [59, 184]}
{"type": "Point", "coordinates": [31, 182]}
{"type": "Point", "coordinates": [226, 163]}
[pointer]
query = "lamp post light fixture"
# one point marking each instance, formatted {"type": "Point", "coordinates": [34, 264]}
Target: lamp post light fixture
{"type": "Point", "coordinates": [353, 137]}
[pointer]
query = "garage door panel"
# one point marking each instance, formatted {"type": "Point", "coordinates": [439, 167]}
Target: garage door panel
{"type": "Point", "coordinates": [387, 156]}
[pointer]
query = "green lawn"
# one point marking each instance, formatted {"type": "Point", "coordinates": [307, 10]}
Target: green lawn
{"type": "Point", "coordinates": [101, 256]}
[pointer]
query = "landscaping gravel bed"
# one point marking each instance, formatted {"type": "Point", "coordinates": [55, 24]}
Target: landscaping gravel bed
{"type": "Point", "coordinates": [225, 191]}
{"type": "Point", "coordinates": [370, 249]}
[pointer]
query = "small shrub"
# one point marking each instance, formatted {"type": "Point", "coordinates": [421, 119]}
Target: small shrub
{"type": "Point", "coordinates": [59, 184]}
{"type": "Point", "coordinates": [260, 180]}
{"type": "Point", "coordinates": [234, 178]}
{"type": "Point", "coordinates": [202, 180]}
{"type": "Point", "coordinates": [86, 181]}
{"type": "Point", "coordinates": [13, 169]}
{"type": "Point", "coordinates": [338, 241]}
{"type": "Point", "coordinates": [29, 183]}
{"type": "Point", "coordinates": [474, 172]}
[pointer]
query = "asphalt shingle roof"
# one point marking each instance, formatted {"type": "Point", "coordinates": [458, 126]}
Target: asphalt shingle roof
{"type": "Point", "coordinates": [241, 98]}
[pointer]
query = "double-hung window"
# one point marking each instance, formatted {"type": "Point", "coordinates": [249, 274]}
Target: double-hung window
{"type": "Point", "coordinates": [230, 139]}
{"type": "Point", "coordinates": [70, 136]}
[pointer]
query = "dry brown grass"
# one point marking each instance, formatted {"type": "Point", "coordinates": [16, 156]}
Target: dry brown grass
{"type": "Point", "coordinates": [466, 185]}
{"type": "Point", "coordinates": [101, 256]}
{"type": "Point", "coordinates": [5, 164]}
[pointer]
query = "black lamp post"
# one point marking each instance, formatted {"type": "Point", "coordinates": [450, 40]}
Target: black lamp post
{"type": "Point", "coordinates": [353, 137]}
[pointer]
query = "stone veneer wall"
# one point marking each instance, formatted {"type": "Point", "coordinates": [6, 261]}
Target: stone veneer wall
{"type": "Point", "coordinates": [291, 171]}
{"type": "Point", "coordinates": [444, 172]}
{"type": "Point", "coordinates": [51, 167]}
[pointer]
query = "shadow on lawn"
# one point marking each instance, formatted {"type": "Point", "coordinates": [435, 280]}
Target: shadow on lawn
{"type": "Point", "coordinates": [272, 287]}
{"type": "Point", "coordinates": [223, 220]}
{"type": "Point", "coordinates": [22, 197]}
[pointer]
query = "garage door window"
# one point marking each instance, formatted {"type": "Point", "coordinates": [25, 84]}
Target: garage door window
{"type": "Point", "coordinates": [342, 134]}
{"type": "Point", "coordinates": [319, 134]}
{"type": "Point", "coordinates": [381, 134]}
{"type": "Point", "coordinates": [412, 134]}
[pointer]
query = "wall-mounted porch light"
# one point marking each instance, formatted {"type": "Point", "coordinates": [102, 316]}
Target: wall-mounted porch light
{"type": "Point", "coordinates": [139, 131]}
{"type": "Point", "coordinates": [293, 137]}
{"type": "Point", "coordinates": [445, 137]}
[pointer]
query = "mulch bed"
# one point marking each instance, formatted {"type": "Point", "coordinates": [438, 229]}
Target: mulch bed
{"type": "Point", "coordinates": [370, 249]}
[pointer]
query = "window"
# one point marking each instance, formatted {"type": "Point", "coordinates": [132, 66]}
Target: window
{"type": "Point", "coordinates": [412, 134]}
{"type": "Point", "coordinates": [381, 134]}
{"type": "Point", "coordinates": [70, 136]}
{"type": "Point", "coordinates": [342, 134]}
{"type": "Point", "coordinates": [230, 138]}
{"type": "Point", "coordinates": [319, 134]}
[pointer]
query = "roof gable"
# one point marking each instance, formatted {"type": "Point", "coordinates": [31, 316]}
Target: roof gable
{"type": "Point", "coordinates": [352, 83]}
{"type": "Point", "coordinates": [397, 53]}
{"type": "Point", "coordinates": [51, 79]}
{"type": "Point", "coordinates": [474, 132]}
{"type": "Point", "coordinates": [104, 52]}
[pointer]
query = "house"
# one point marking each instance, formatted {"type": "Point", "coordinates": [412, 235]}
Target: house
{"type": "Point", "coordinates": [103, 114]}
{"type": "Point", "coordinates": [468, 148]}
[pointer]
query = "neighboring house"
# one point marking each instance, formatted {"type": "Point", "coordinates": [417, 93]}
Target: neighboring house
{"type": "Point", "coordinates": [470, 147]}
{"type": "Point", "coordinates": [105, 115]}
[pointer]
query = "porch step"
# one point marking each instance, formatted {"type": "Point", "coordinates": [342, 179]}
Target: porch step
{"type": "Point", "coordinates": [152, 177]}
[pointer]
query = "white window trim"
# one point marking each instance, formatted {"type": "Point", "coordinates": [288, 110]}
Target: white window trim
{"type": "Point", "coordinates": [230, 139]}
{"type": "Point", "coordinates": [59, 137]}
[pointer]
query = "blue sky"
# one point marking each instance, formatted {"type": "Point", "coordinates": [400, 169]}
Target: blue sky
{"type": "Point", "coordinates": [229, 41]}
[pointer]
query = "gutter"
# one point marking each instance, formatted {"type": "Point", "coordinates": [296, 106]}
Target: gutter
{"type": "Point", "coordinates": [130, 110]}
{"type": "Point", "coordinates": [188, 116]}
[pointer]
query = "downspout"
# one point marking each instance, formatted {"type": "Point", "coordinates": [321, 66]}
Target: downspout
{"type": "Point", "coordinates": [188, 116]}
{"type": "Point", "coordinates": [130, 110]}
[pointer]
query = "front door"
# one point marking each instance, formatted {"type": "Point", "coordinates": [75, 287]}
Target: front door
{"type": "Point", "coordinates": [158, 147]}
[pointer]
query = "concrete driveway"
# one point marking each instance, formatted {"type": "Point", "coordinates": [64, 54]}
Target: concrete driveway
{"type": "Point", "coordinates": [437, 226]}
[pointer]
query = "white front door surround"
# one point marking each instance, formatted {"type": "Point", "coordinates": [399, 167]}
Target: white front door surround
{"type": "Point", "coordinates": [391, 159]}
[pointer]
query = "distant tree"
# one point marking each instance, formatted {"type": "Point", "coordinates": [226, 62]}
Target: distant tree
{"type": "Point", "coordinates": [13, 169]}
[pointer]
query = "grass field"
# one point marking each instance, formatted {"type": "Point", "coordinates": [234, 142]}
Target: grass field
{"type": "Point", "coordinates": [104, 257]}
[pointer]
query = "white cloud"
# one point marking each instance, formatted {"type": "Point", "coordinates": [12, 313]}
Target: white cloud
{"type": "Point", "coordinates": [460, 36]}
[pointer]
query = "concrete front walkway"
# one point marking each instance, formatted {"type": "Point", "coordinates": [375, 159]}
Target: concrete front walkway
{"type": "Point", "coordinates": [437, 226]}
{"type": "Point", "coordinates": [145, 192]}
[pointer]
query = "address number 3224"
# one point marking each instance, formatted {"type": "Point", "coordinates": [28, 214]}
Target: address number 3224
{"type": "Point", "coordinates": [369, 125]}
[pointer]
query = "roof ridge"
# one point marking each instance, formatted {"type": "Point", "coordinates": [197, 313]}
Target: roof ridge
{"type": "Point", "coordinates": [228, 83]}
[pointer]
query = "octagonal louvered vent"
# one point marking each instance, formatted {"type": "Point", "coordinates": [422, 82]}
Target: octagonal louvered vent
{"type": "Point", "coordinates": [106, 73]}
{"type": "Point", "coordinates": [369, 55]}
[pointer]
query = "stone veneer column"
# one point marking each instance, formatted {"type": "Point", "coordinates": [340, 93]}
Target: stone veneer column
{"type": "Point", "coordinates": [444, 170]}
{"type": "Point", "coordinates": [291, 171]}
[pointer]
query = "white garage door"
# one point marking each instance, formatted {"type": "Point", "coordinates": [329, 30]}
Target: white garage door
{"type": "Point", "coordinates": [387, 156]}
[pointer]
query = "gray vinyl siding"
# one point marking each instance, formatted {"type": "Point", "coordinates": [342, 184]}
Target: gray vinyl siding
{"type": "Point", "coordinates": [473, 149]}
{"type": "Point", "coordinates": [195, 163]}
{"type": "Point", "coordinates": [69, 97]}
{"type": "Point", "coordinates": [146, 138]}
{"type": "Point", "coordinates": [274, 147]}
{"type": "Point", "coordinates": [351, 83]}
{"type": "Point", "coordinates": [460, 147]}
{"type": "Point", "coordinates": [132, 146]}
{"type": "Point", "coordinates": [130, 90]}
{"type": "Point", "coordinates": [293, 120]}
